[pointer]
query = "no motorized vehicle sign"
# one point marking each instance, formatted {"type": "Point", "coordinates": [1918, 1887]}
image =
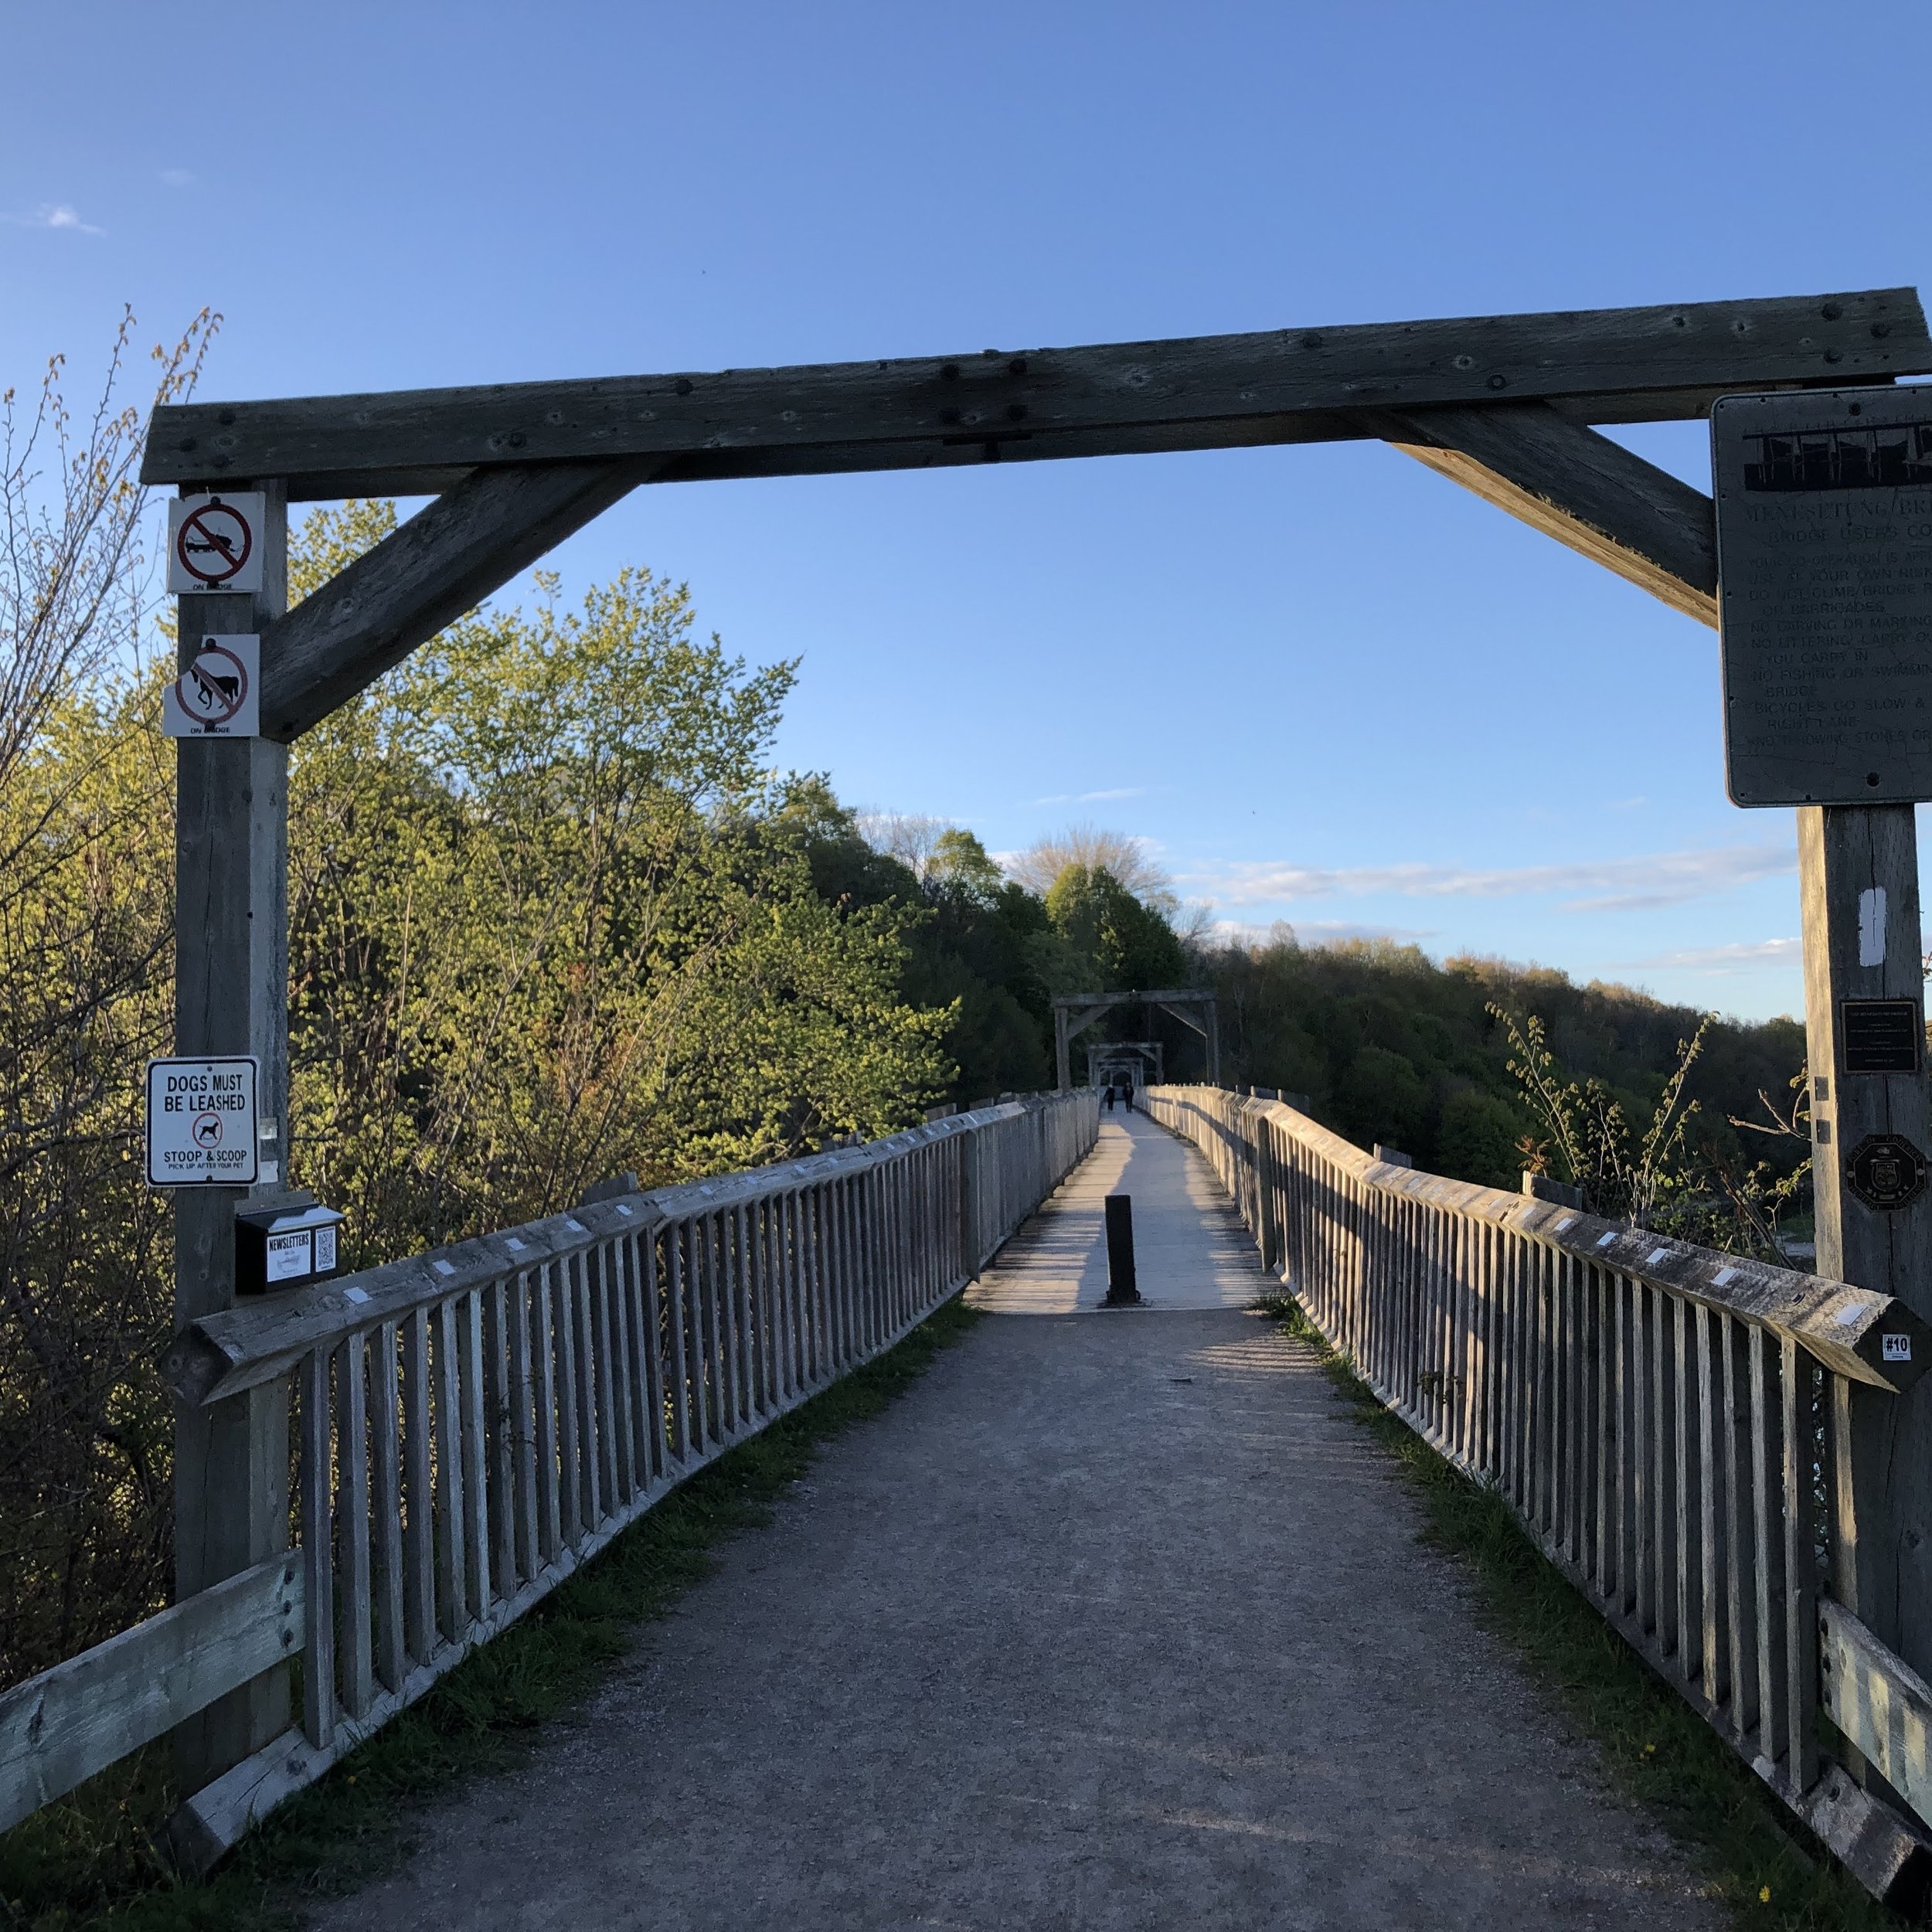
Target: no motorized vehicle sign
{"type": "Point", "coordinates": [201, 1122]}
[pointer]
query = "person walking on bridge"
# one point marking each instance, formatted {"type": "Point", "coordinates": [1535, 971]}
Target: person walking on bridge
{"type": "Point", "coordinates": [1110, 1096]}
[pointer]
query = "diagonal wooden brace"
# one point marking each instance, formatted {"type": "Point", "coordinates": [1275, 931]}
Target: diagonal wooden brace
{"type": "Point", "coordinates": [441, 564]}
{"type": "Point", "coordinates": [1565, 480]}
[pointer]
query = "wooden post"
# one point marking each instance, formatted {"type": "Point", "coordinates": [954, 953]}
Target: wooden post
{"type": "Point", "coordinates": [231, 927]}
{"type": "Point", "coordinates": [1063, 1050]}
{"type": "Point", "coordinates": [1859, 877]}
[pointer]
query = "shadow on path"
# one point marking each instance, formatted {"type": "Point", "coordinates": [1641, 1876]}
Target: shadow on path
{"type": "Point", "coordinates": [1190, 1250]}
{"type": "Point", "coordinates": [1115, 1623]}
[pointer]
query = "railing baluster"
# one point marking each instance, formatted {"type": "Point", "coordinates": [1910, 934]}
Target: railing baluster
{"type": "Point", "coordinates": [384, 1425]}
{"type": "Point", "coordinates": [420, 1536]}
{"type": "Point", "coordinates": [1685, 1556]}
{"type": "Point", "coordinates": [318, 1518]}
{"type": "Point", "coordinates": [525, 1495]}
{"type": "Point", "coordinates": [475, 1495]}
{"type": "Point", "coordinates": [550, 1427]}
{"type": "Point", "coordinates": [452, 1580]}
{"type": "Point", "coordinates": [1714, 1517]}
{"type": "Point", "coordinates": [1801, 1623]}
{"type": "Point", "coordinates": [613, 1259]}
{"type": "Point", "coordinates": [675, 1328]}
{"type": "Point", "coordinates": [355, 1607]}
{"type": "Point", "coordinates": [1741, 1542]}
{"type": "Point", "coordinates": [657, 1398]}
{"type": "Point", "coordinates": [498, 1301]}
{"type": "Point", "coordinates": [569, 1428]}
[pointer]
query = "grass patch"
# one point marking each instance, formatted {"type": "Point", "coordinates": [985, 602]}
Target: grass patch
{"type": "Point", "coordinates": [1758, 1859]}
{"type": "Point", "coordinates": [90, 1860]}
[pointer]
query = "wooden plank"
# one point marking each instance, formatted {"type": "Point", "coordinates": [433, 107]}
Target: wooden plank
{"type": "Point", "coordinates": [592, 1389]}
{"type": "Point", "coordinates": [59, 1729]}
{"type": "Point", "coordinates": [499, 1299]}
{"type": "Point", "coordinates": [569, 1428]}
{"type": "Point", "coordinates": [1713, 1665]}
{"type": "Point", "coordinates": [441, 564]}
{"type": "Point", "coordinates": [356, 1609]}
{"type": "Point", "coordinates": [1740, 1547]}
{"type": "Point", "coordinates": [1880, 1703]}
{"type": "Point", "coordinates": [452, 1543]}
{"type": "Point", "coordinates": [1889, 1854]}
{"type": "Point", "coordinates": [1800, 1632]}
{"type": "Point", "coordinates": [625, 1481]}
{"type": "Point", "coordinates": [1767, 1530]}
{"type": "Point", "coordinates": [471, 1411]}
{"type": "Point", "coordinates": [1564, 479]}
{"type": "Point", "coordinates": [385, 1428]}
{"type": "Point", "coordinates": [318, 1523]}
{"type": "Point", "coordinates": [419, 1603]}
{"type": "Point", "coordinates": [548, 1476]}
{"type": "Point", "coordinates": [677, 1369]}
{"type": "Point", "coordinates": [1279, 385]}
{"type": "Point", "coordinates": [656, 1402]}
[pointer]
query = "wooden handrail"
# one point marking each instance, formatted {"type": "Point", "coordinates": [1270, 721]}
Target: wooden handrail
{"type": "Point", "coordinates": [223, 1355]}
{"type": "Point", "coordinates": [1843, 1327]}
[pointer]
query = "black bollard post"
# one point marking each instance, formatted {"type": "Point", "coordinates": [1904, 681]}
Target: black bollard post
{"type": "Point", "coordinates": [1120, 1292]}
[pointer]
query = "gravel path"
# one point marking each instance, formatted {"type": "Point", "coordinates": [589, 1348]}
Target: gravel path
{"type": "Point", "coordinates": [1115, 1621]}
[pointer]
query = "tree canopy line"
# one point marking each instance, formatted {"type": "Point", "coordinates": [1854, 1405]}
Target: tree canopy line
{"type": "Point", "coordinates": [554, 915]}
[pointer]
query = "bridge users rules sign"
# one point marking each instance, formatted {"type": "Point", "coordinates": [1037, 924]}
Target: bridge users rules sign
{"type": "Point", "coordinates": [201, 1122]}
{"type": "Point", "coordinates": [1824, 594]}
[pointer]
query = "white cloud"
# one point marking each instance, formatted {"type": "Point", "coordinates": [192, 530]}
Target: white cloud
{"type": "Point", "coordinates": [1312, 932]}
{"type": "Point", "coordinates": [55, 215]}
{"type": "Point", "coordinates": [177, 178]}
{"type": "Point", "coordinates": [1734, 958]}
{"type": "Point", "coordinates": [1590, 885]}
{"type": "Point", "coordinates": [1090, 798]}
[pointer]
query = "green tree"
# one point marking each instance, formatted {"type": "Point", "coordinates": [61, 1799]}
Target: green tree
{"type": "Point", "coordinates": [551, 917]}
{"type": "Point", "coordinates": [1109, 941]}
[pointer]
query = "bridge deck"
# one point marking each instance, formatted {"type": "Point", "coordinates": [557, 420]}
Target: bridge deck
{"type": "Point", "coordinates": [1112, 1622]}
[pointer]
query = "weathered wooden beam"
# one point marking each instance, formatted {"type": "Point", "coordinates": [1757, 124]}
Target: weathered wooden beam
{"type": "Point", "coordinates": [442, 563]}
{"type": "Point", "coordinates": [1563, 479]}
{"type": "Point", "coordinates": [59, 1729]}
{"type": "Point", "coordinates": [1278, 385]}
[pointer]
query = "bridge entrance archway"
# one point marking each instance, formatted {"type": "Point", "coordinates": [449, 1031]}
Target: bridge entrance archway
{"type": "Point", "coordinates": [1507, 406]}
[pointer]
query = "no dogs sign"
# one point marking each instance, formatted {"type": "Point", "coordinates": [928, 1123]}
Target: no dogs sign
{"type": "Point", "coordinates": [215, 542]}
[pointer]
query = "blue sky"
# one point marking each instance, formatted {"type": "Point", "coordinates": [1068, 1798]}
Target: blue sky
{"type": "Point", "coordinates": [1326, 685]}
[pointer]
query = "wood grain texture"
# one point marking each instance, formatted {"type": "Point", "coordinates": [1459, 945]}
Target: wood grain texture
{"type": "Point", "coordinates": [1880, 1703]}
{"type": "Point", "coordinates": [59, 1729]}
{"type": "Point", "coordinates": [1847, 854]}
{"type": "Point", "coordinates": [1564, 479]}
{"type": "Point", "coordinates": [231, 996]}
{"type": "Point", "coordinates": [441, 563]}
{"type": "Point", "coordinates": [1631, 363]}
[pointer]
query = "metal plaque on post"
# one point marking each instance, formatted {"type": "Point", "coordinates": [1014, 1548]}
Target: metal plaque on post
{"type": "Point", "coordinates": [1824, 594]}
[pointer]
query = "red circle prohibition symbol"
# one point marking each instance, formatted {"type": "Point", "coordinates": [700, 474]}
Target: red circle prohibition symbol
{"type": "Point", "coordinates": [207, 1130]}
{"type": "Point", "coordinates": [213, 692]}
{"type": "Point", "coordinates": [198, 535]}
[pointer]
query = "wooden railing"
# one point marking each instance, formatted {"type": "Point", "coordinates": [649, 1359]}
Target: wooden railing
{"type": "Point", "coordinates": [476, 1423]}
{"type": "Point", "coordinates": [1652, 1412]}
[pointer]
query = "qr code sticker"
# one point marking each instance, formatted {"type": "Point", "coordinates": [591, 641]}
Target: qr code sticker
{"type": "Point", "coordinates": [1898, 1348]}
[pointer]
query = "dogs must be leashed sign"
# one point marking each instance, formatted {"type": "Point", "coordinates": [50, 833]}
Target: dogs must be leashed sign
{"type": "Point", "coordinates": [1824, 594]}
{"type": "Point", "coordinates": [201, 1122]}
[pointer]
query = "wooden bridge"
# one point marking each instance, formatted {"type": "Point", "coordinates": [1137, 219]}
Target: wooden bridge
{"type": "Point", "coordinates": [1728, 1459]}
